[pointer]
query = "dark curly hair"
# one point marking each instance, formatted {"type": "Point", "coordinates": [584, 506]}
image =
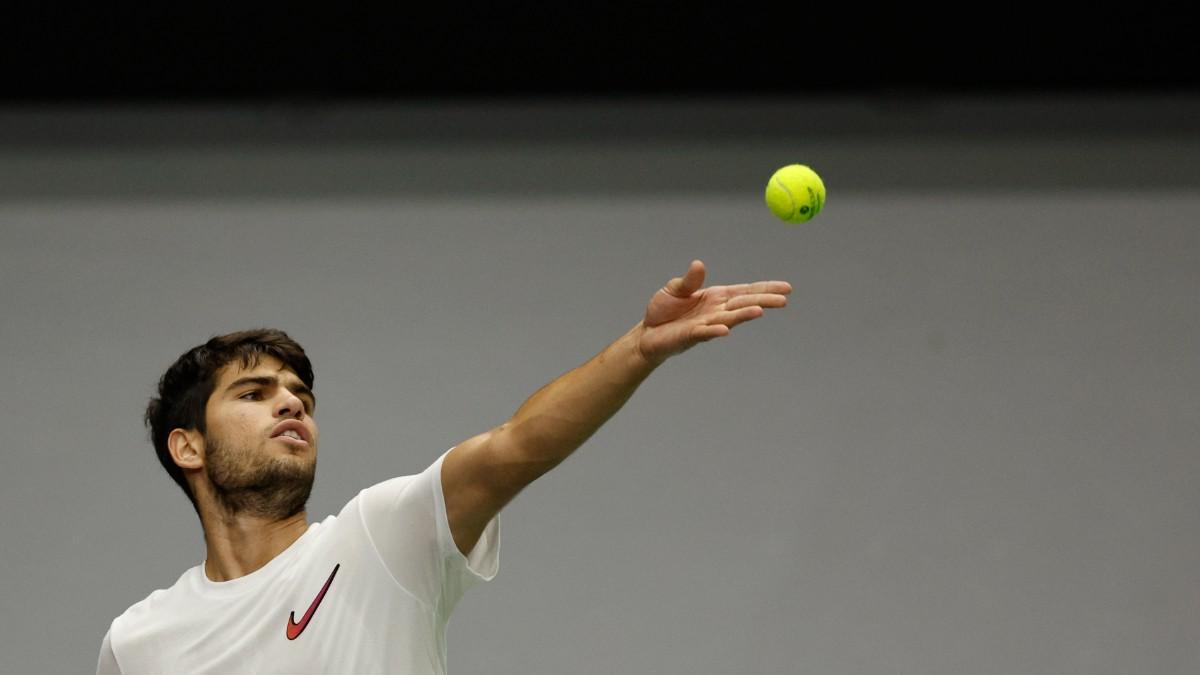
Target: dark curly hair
{"type": "Point", "coordinates": [184, 389]}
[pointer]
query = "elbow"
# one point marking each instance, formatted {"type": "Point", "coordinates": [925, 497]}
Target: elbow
{"type": "Point", "coordinates": [517, 456]}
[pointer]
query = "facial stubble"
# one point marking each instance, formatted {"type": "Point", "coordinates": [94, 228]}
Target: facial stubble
{"type": "Point", "coordinates": [264, 486]}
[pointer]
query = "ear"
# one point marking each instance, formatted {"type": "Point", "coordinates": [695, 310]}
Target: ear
{"type": "Point", "coordinates": [187, 448]}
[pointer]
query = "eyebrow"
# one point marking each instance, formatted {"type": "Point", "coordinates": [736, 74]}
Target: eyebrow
{"type": "Point", "coordinates": [298, 388]}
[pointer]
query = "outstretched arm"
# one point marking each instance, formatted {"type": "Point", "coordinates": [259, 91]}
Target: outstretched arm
{"type": "Point", "coordinates": [484, 473]}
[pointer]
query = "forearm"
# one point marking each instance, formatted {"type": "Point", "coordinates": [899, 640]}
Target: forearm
{"type": "Point", "coordinates": [560, 416]}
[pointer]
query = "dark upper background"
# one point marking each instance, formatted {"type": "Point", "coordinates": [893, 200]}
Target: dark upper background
{"type": "Point", "coordinates": [102, 53]}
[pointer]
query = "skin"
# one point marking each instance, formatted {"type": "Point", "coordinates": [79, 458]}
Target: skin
{"type": "Point", "coordinates": [250, 489]}
{"type": "Point", "coordinates": [481, 475]}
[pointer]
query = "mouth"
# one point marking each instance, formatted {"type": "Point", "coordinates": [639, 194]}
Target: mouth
{"type": "Point", "coordinates": [292, 433]}
{"type": "Point", "coordinates": [290, 440]}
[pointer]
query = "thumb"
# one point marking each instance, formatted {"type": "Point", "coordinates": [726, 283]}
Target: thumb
{"type": "Point", "coordinates": [682, 287]}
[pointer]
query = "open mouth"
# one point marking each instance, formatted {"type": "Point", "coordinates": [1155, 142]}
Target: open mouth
{"type": "Point", "coordinates": [291, 437]}
{"type": "Point", "coordinates": [293, 432]}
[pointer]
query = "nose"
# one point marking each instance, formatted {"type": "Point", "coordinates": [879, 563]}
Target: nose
{"type": "Point", "coordinates": [289, 406]}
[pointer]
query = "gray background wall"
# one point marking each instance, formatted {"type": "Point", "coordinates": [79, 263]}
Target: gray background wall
{"type": "Point", "coordinates": [967, 446]}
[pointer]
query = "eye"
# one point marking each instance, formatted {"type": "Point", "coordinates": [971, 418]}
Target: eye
{"type": "Point", "coordinates": [256, 394]}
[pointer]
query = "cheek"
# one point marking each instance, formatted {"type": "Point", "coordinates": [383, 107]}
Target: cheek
{"type": "Point", "coordinates": [242, 425]}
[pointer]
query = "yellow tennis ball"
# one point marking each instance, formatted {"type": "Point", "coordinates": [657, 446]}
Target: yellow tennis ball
{"type": "Point", "coordinates": [795, 193]}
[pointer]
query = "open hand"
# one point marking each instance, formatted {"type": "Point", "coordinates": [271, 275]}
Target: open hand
{"type": "Point", "coordinates": [682, 314]}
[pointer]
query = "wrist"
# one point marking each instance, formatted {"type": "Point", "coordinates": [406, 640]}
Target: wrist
{"type": "Point", "coordinates": [644, 360]}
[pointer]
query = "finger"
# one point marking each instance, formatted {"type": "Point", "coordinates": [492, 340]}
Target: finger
{"type": "Point", "coordinates": [690, 282]}
{"type": "Point", "coordinates": [735, 317]}
{"type": "Point", "coordinates": [760, 299]}
{"type": "Point", "coordinates": [779, 287]}
{"type": "Point", "coordinates": [706, 333]}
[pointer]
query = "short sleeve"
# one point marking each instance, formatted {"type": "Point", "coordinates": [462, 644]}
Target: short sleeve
{"type": "Point", "coordinates": [406, 520]}
{"type": "Point", "coordinates": [107, 664]}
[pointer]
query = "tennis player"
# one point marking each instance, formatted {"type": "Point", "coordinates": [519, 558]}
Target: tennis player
{"type": "Point", "coordinates": [369, 590]}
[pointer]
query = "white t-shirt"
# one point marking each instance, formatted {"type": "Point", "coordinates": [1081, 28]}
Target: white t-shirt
{"type": "Point", "coordinates": [369, 590]}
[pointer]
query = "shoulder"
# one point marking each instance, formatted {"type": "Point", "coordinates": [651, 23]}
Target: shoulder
{"type": "Point", "coordinates": [391, 488]}
{"type": "Point", "coordinates": [147, 610]}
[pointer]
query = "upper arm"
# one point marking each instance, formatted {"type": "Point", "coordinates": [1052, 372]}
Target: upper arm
{"type": "Point", "coordinates": [479, 477]}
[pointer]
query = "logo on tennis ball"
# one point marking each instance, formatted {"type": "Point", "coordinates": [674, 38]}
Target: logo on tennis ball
{"type": "Point", "coordinates": [795, 193]}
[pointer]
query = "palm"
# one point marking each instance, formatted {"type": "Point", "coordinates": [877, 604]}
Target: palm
{"type": "Point", "coordinates": [682, 314]}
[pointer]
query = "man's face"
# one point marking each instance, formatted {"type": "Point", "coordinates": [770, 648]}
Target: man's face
{"type": "Point", "coordinates": [252, 458]}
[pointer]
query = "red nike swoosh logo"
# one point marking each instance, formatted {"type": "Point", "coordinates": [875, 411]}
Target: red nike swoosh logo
{"type": "Point", "coordinates": [295, 629]}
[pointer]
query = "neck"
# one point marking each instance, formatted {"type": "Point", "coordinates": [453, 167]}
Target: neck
{"type": "Point", "coordinates": [238, 545]}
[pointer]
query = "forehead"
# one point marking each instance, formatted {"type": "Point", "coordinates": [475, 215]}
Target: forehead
{"type": "Point", "coordinates": [266, 365]}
